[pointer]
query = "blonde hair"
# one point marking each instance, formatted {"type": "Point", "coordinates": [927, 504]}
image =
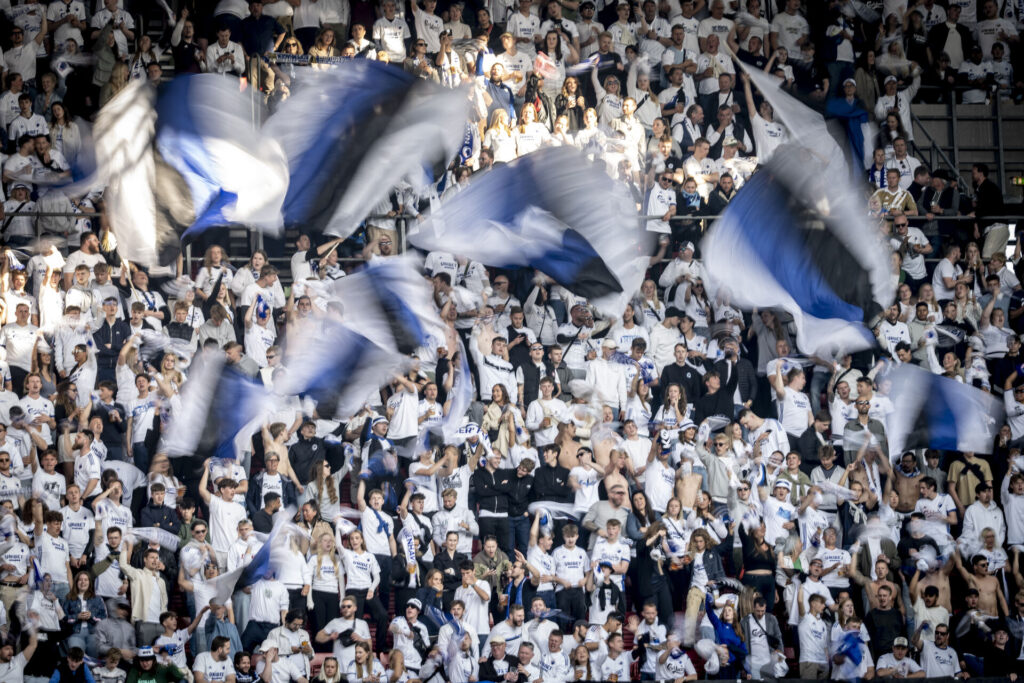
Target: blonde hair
{"type": "Point", "coordinates": [499, 121]}
{"type": "Point", "coordinates": [333, 555]}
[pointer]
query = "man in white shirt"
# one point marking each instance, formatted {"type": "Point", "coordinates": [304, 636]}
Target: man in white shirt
{"type": "Point", "coordinates": [67, 20]}
{"type": "Point", "coordinates": [225, 56]}
{"type": "Point", "coordinates": [938, 659]}
{"type": "Point", "coordinates": [21, 56]}
{"type": "Point", "coordinates": [214, 666]}
{"type": "Point", "coordinates": [390, 32]}
{"type": "Point", "coordinates": [948, 274]}
{"type": "Point", "coordinates": [897, 664]}
{"type": "Point", "coordinates": [225, 514]}
{"type": "Point", "coordinates": [789, 29]}
{"type": "Point", "coordinates": [814, 640]}
{"type": "Point", "coordinates": [345, 631]}
{"type": "Point", "coordinates": [608, 379]}
{"type": "Point", "coordinates": [122, 21]}
{"type": "Point", "coordinates": [716, 25]}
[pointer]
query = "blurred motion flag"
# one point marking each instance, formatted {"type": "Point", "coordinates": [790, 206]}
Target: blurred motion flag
{"type": "Point", "coordinates": [362, 130]}
{"type": "Point", "coordinates": [933, 411]}
{"type": "Point", "coordinates": [551, 210]}
{"type": "Point", "coordinates": [181, 159]}
{"type": "Point", "coordinates": [796, 238]}
{"type": "Point", "coordinates": [223, 402]}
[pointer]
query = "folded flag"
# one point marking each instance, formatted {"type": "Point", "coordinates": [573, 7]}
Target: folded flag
{"type": "Point", "coordinates": [553, 211]}
{"type": "Point", "coordinates": [933, 411]}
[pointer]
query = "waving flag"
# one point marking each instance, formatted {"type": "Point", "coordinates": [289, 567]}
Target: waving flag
{"type": "Point", "coordinates": [364, 128]}
{"type": "Point", "coordinates": [796, 237]}
{"type": "Point", "coordinates": [183, 159]}
{"type": "Point", "coordinates": [553, 211]}
{"type": "Point", "coordinates": [224, 402]}
{"type": "Point", "coordinates": [933, 411]}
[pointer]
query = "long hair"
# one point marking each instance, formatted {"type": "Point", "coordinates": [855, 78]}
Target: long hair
{"type": "Point", "coordinates": [332, 554]}
{"type": "Point", "coordinates": [557, 56]}
{"type": "Point", "coordinates": [570, 96]}
{"type": "Point", "coordinates": [89, 592]}
{"type": "Point", "coordinates": [319, 481]}
{"type": "Point", "coordinates": [208, 257]}
{"type": "Point", "coordinates": [499, 122]}
{"type": "Point", "coordinates": [702, 533]}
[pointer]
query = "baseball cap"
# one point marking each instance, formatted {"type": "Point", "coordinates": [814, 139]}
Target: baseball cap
{"type": "Point", "coordinates": [377, 420]}
{"type": "Point", "coordinates": [900, 642]}
{"type": "Point", "coordinates": [146, 653]}
{"type": "Point", "coordinates": [890, 79]}
{"type": "Point", "coordinates": [413, 602]}
{"type": "Point", "coordinates": [783, 483]}
{"type": "Point", "coordinates": [729, 141]}
{"type": "Point", "coordinates": [687, 245]}
{"type": "Point", "coordinates": [850, 81]}
{"type": "Point", "coordinates": [609, 343]}
{"type": "Point", "coordinates": [15, 186]}
{"type": "Point", "coordinates": [497, 639]}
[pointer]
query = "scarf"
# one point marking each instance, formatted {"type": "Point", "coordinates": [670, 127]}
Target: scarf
{"type": "Point", "coordinates": [382, 526]}
{"type": "Point", "coordinates": [692, 200]}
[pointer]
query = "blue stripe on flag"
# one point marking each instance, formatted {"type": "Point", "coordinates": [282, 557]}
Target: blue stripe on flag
{"type": "Point", "coordinates": [759, 215]}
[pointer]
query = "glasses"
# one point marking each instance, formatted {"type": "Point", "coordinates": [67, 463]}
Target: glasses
{"type": "Point", "coordinates": [863, 403]}
{"type": "Point", "coordinates": [901, 225]}
{"type": "Point", "coordinates": [744, 488]}
{"type": "Point", "coordinates": [199, 531]}
{"type": "Point", "coordinates": [421, 44]}
{"type": "Point", "coordinates": [721, 444]}
{"type": "Point", "coordinates": [536, 348]}
{"type": "Point", "coordinates": [385, 243]}
{"type": "Point", "coordinates": [4, 461]}
{"type": "Point", "coordinates": [271, 356]}
{"type": "Point", "coordinates": [348, 607]}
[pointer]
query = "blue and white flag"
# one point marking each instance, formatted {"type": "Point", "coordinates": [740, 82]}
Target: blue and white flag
{"type": "Point", "coordinates": [363, 129]}
{"type": "Point", "coordinates": [796, 237]}
{"type": "Point", "coordinates": [933, 411]}
{"type": "Point", "coordinates": [339, 369]}
{"type": "Point", "coordinates": [395, 303]}
{"type": "Point", "coordinates": [183, 159]}
{"type": "Point", "coordinates": [226, 404]}
{"type": "Point", "coordinates": [553, 211]}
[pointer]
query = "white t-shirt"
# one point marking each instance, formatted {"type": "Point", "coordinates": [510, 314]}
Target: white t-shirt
{"type": "Point", "coordinates": [224, 519]}
{"type": "Point", "coordinates": [212, 669]}
{"type": "Point", "coordinates": [939, 662]}
{"type": "Point", "coordinates": [790, 27]}
{"type": "Point", "coordinates": [570, 564]}
{"type": "Point", "coordinates": [902, 666]}
{"type": "Point", "coordinates": [813, 639]}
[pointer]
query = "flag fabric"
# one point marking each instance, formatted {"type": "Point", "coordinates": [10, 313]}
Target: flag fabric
{"type": "Point", "coordinates": [365, 128]}
{"type": "Point", "coordinates": [153, 534]}
{"type": "Point", "coordinates": [182, 159]}
{"type": "Point", "coordinates": [933, 411]}
{"type": "Point", "coordinates": [395, 303]}
{"type": "Point", "coordinates": [220, 399]}
{"type": "Point", "coordinates": [459, 398]}
{"type": "Point", "coordinates": [796, 237]}
{"type": "Point", "coordinates": [551, 210]}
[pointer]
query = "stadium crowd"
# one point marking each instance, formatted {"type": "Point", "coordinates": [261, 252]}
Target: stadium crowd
{"type": "Point", "coordinates": [670, 491]}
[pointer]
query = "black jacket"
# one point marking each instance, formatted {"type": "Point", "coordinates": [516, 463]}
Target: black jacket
{"type": "Point", "coordinates": [443, 562]}
{"type": "Point", "coordinates": [685, 376]}
{"type": "Point", "coordinates": [518, 493]}
{"type": "Point", "coordinates": [491, 489]}
{"type": "Point", "coordinates": [746, 377]}
{"type": "Point", "coordinates": [160, 516]}
{"type": "Point", "coordinates": [489, 673]}
{"type": "Point", "coordinates": [552, 484]}
{"type": "Point", "coordinates": [302, 453]}
{"type": "Point", "coordinates": [115, 335]}
{"type": "Point", "coordinates": [937, 39]}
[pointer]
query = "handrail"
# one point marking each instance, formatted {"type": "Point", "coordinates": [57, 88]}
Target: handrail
{"type": "Point", "coordinates": [936, 146]}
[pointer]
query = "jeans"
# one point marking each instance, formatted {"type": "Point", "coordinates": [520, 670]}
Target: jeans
{"type": "Point", "coordinates": [85, 641]}
{"type": "Point", "coordinates": [140, 454]}
{"type": "Point", "coordinates": [519, 533]}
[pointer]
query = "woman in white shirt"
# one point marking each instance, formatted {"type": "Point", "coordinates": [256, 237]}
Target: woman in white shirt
{"type": "Point", "coordinates": [362, 576]}
{"type": "Point", "coordinates": [552, 47]}
{"type": "Point", "coordinates": [648, 304]}
{"type": "Point", "coordinates": [365, 668]}
{"type": "Point", "coordinates": [214, 266]}
{"type": "Point", "coordinates": [499, 137]}
{"type": "Point", "coordinates": [326, 585]}
{"type": "Point", "coordinates": [529, 135]}
{"type": "Point", "coordinates": [674, 411]}
{"type": "Point", "coordinates": [160, 472]}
